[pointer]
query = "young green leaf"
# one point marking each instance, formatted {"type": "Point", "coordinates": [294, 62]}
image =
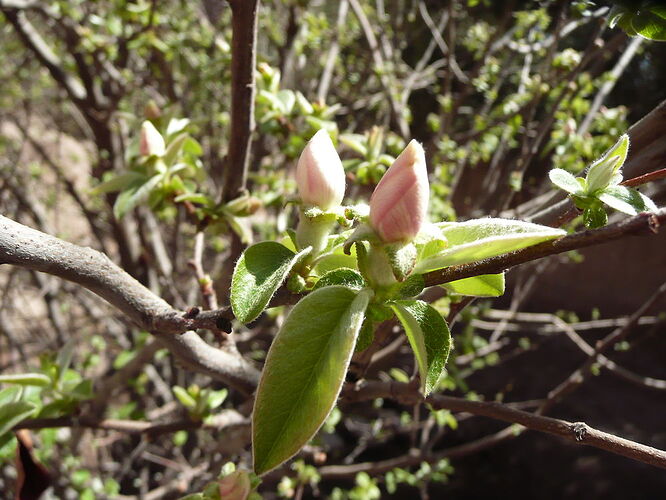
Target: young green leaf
{"type": "Point", "coordinates": [64, 359]}
{"type": "Point", "coordinates": [258, 274]}
{"type": "Point", "coordinates": [304, 372]}
{"type": "Point", "coordinates": [13, 413]}
{"type": "Point", "coordinates": [483, 238]}
{"type": "Point", "coordinates": [34, 379]}
{"type": "Point", "coordinates": [349, 278]}
{"type": "Point", "coordinates": [627, 200]}
{"type": "Point", "coordinates": [595, 216]}
{"type": "Point", "coordinates": [184, 397]}
{"type": "Point", "coordinates": [565, 180]}
{"type": "Point", "coordinates": [429, 337]}
{"type": "Point", "coordinates": [119, 182]}
{"type": "Point", "coordinates": [485, 285]}
{"type": "Point", "coordinates": [10, 394]}
{"type": "Point", "coordinates": [135, 193]}
{"type": "Point", "coordinates": [603, 172]}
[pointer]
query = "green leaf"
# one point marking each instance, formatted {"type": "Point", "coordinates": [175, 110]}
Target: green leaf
{"type": "Point", "coordinates": [287, 100]}
{"type": "Point", "coordinates": [355, 142]}
{"type": "Point", "coordinates": [119, 182]}
{"type": "Point", "coordinates": [483, 238]}
{"type": "Point", "coordinates": [627, 200]}
{"type": "Point", "coordinates": [83, 390]}
{"type": "Point", "coordinates": [344, 277]}
{"type": "Point", "coordinates": [184, 397]}
{"type": "Point", "coordinates": [135, 194]}
{"type": "Point", "coordinates": [365, 336]}
{"type": "Point", "coordinates": [13, 413]}
{"type": "Point", "coordinates": [603, 172]}
{"type": "Point", "coordinates": [409, 288]}
{"type": "Point", "coordinates": [258, 274]}
{"type": "Point", "coordinates": [564, 180]}
{"type": "Point", "coordinates": [177, 125]}
{"type": "Point", "coordinates": [174, 148]}
{"type": "Point", "coordinates": [35, 379]}
{"type": "Point", "coordinates": [216, 398]}
{"type": "Point", "coordinates": [64, 359]}
{"type": "Point", "coordinates": [304, 372]}
{"type": "Point", "coordinates": [402, 258]}
{"type": "Point", "coordinates": [595, 216]}
{"type": "Point", "coordinates": [485, 285]}
{"type": "Point", "coordinates": [650, 25]}
{"type": "Point", "coordinates": [10, 395]}
{"type": "Point", "coordinates": [429, 337]}
{"type": "Point", "coordinates": [332, 261]}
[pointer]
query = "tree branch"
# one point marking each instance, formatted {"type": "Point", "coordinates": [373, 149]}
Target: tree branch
{"type": "Point", "coordinates": [243, 62]}
{"type": "Point", "coordinates": [576, 432]}
{"type": "Point", "coordinates": [641, 224]}
{"type": "Point", "coordinates": [222, 420]}
{"type": "Point", "coordinates": [33, 40]}
{"type": "Point", "coordinates": [31, 249]}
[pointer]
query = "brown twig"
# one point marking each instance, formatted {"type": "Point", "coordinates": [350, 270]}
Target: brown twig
{"type": "Point", "coordinates": [576, 432]}
{"type": "Point", "coordinates": [243, 61]}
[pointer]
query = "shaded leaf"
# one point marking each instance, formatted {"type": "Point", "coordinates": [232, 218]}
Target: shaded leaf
{"type": "Point", "coordinates": [13, 413]}
{"type": "Point", "coordinates": [349, 278]}
{"type": "Point", "coordinates": [429, 336]}
{"type": "Point", "coordinates": [258, 274]}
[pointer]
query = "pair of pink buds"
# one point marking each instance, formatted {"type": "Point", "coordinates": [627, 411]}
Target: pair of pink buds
{"type": "Point", "coordinates": [399, 204]}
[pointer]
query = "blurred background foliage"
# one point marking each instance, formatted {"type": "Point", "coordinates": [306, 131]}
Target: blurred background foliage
{"type": "Point", "coordinates": [498, 92]}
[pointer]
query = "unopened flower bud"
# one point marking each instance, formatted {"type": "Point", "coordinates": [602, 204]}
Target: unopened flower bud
{"type": "Point", "coordinates": [399, 204]}
{"type": "Point", "coordinates": [151, 141]}
{"type": "Point", "coordinates": [235, 486]}
{"type": "Point", "coordinates": [319, 173]}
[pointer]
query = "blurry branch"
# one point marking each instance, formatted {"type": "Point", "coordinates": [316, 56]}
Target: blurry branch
{"type": "Point", "coordinates": [243, 62]}
{"type": "Point", "coordinates": [604, 361]}
{"type": "Point", "coordinates": [380, 67]}
{"type": "Point", "coordinates": [333, 51]}
{"type": "Point", "coordinates": [437, 38]}
{"type": "Point", "coordinates": [641, 224]}
{"type": "Point", "coordinates": [576, 432]}
{"type": "Point", "coordinates": [91, 217]}
{"type": "Point", "coordinates": [205, 284]}
{"type": "Point", "coordinates": [574, 380]}
{"type": "Point", "coordinates": [618, 69]}
{"type": "Point", "coordinates": [550, 40]}
{"type": "Point", "coordinates": [33, 40]}
{"type": "Point", "coordinates": [222, 420]}
{"type": "Point", "coordinates": [417, 457]}
{"type": "Point", "coordinates": [31, 249]}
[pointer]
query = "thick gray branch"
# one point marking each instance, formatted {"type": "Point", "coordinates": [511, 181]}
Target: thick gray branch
{"type": "Point", "coordinates": [32, 249]}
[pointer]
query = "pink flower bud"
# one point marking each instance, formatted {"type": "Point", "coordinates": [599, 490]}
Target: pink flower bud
{"type": "Point", "coordinates": [399, 205]}
{"type": "Point", "coordinates": [319, 173]}
{"type": "Point", "coordinates": [235, 486]}
{"type": "Point", "coordinates": [151, 141]}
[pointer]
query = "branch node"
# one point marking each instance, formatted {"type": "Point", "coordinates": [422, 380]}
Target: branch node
{"type": "Point", "coordinates": [579, 430]}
